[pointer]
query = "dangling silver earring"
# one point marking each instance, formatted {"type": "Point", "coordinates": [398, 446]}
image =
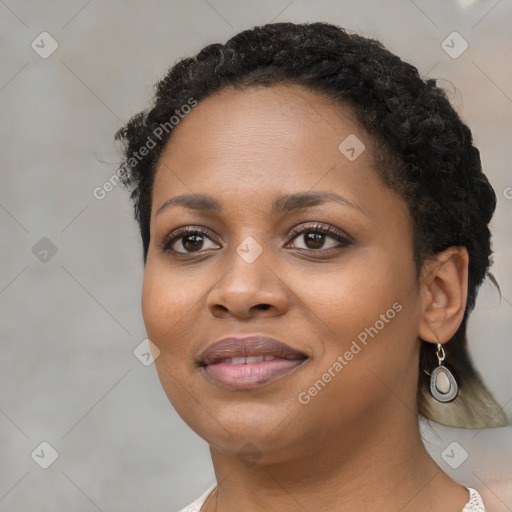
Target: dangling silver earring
{"type": "Point", "coordinates": [443, 385]}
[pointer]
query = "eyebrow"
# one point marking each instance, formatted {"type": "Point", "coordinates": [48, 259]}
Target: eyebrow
{"type": "Point", "coordinates": [284, 203]}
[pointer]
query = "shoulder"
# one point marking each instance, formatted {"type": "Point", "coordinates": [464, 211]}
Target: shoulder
{"type": "Point", "coordinates": [196, 505]}
{"type": "Point", "coordinates": [475, 503]}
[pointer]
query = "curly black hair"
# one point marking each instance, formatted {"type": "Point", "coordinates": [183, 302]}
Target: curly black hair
{"type": "Point", "coordinates": [425, 152]}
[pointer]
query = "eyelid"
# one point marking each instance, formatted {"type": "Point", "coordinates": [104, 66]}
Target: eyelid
{"type": "Point", "coordinates": [337, 234]}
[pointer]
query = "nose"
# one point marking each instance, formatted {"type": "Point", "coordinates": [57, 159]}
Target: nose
{"type": "Point", "coordinates": [248, 289]}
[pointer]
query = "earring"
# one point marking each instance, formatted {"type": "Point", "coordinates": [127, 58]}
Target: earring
{"type": "Point", "coordinates": [443, 385]}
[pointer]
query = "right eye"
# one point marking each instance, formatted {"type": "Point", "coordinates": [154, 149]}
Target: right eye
{"type": "Point", "coordinates": [186, 240]}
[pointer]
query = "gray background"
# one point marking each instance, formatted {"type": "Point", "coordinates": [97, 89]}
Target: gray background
{"type": "Point", "coordinates": [69, 325]}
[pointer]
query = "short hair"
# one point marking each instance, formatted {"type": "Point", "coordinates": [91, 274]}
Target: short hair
{"type": "Point", "coordinates": [421, 148]}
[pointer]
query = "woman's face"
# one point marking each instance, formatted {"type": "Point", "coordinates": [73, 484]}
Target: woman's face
{"type": "Point", "coordinates": [346, 303]}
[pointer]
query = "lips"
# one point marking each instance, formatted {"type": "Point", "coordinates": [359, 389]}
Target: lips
{"type": "Point", "coordinates": [245, 362]}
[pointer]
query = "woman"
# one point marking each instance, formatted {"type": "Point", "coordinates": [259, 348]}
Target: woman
{"type": "Point", "coordinates": [314, 220]}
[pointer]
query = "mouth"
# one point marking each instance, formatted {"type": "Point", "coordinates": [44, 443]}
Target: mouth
{"type": "Point", "coordinates": [245, 362]}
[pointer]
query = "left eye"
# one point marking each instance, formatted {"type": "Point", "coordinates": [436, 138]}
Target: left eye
{"type": "Point", "coordinates": [314, 239]}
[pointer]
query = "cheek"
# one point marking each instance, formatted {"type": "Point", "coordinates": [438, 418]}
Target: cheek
{"type": "Point", "coordinates": [352, 296]}
{"type": "Point", "coordinates": [168, 309]}
{"type": "Point", "coordinates": [169, 303]}
{"type": "Point", "coordinates": [374, 307]}
{"type": "Point", "coordinates": [370, 309]}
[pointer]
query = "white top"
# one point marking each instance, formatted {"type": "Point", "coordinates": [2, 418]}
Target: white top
{"type": "Point", "coordinates": [475, 503]}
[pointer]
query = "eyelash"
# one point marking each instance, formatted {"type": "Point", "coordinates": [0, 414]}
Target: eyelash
{"type": "Point", "coordinates": [333, 233]}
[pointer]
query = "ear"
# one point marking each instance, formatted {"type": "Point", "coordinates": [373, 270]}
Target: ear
{"type": "Point", "coordinates": [444, 289]}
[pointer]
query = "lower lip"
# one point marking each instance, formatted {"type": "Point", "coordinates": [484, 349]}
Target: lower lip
{"type": "Point", "coordinates": [250, 375]}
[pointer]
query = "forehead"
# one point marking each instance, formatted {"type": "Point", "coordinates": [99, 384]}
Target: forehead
{"type": "Point", "coordinates": [279, 137]}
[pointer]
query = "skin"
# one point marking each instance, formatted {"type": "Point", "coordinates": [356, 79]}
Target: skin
{"type": "Point", "coordinates": [355, 445]}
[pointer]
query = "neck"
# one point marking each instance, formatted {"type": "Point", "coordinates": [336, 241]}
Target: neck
{"type": "Point", "coordinates": [382, 467]}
